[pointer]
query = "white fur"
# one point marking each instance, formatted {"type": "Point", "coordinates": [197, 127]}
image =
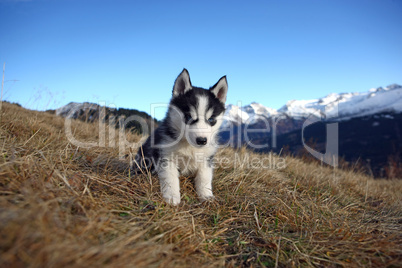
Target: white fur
{"type": "Point", "coordinates": [189, 158]}
{"type": "Point", "coordinates": [193, 112]}
{"type": "Point", "coordinates": [201, 128]}
{"type": "Point", "coordinates": [190, 161]}
{"type": "Point", "coordinates": [208, 114]}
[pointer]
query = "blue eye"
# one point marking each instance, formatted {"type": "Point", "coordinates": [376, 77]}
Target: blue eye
{"type": "Point", "coordinates": [188, 118]}
{"type": "Point", "coordinates": [212, 121]}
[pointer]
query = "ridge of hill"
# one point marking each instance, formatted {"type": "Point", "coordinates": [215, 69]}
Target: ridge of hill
{"type": "Point", "coordinates": [62, 205]}
{"type": "Point", "coordinates": [91, 112]}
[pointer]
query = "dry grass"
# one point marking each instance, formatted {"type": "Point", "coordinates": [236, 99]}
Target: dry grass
{"type": "Point", "coordinates": [66, 206]}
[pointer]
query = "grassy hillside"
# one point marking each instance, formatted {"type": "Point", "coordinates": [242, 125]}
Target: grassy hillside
{"type": "Point", "coordinates": [66, 206]}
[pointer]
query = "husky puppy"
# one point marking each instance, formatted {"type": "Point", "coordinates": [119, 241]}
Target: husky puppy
{"type": "Point", "coordinates": [185, 142]}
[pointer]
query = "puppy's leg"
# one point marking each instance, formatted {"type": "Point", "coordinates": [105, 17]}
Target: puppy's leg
{"type": "Point", "coordinates": [170, 184]}
{"type": "Point", "coordinates": [203, 183]}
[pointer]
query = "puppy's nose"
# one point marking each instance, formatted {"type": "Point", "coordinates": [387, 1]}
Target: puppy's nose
{"type": "Point", "coordinates": [201, 140]}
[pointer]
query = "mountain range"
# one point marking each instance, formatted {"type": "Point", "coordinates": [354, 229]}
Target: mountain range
{"type": "Point", "coordinates": [334, 106]}
{"type": "Point", "coordinates": [369, 125]}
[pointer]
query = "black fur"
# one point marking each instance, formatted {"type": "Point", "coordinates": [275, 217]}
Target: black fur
{"type": "Point", "coordinates": [185, 101]}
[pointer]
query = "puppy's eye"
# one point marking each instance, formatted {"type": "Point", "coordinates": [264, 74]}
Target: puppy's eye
{"type": "Point", "coordinates": [188, 118]}
{"type": "Point", "coordinates": [212, 121]}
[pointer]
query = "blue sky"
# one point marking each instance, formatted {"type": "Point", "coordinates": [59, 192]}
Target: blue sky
{"type": "Point", "coordinates": [128, 53]}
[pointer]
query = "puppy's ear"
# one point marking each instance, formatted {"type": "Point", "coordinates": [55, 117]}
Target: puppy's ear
{"type": "Point", "coordinates": [220, 89]}
{"type": "Point", "coordinates": [182, 83]}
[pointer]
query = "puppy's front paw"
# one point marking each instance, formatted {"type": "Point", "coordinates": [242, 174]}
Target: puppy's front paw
{"type": "Point", "coordinates": [205, 193]}
{"type": "Point", "coordinates": [172, 199]}
{"type": "Point", "coordinates": [210, 197]}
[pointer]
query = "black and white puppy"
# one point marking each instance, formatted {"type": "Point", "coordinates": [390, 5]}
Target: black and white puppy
{"type": "Point", "coordinates": [185, 142]}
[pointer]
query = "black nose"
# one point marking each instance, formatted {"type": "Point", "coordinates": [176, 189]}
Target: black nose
{"type": "Point", "coordinates": [201, 141]}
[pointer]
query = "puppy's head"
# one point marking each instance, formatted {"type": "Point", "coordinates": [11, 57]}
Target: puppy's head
{"type": "Point", "coordinates": [197, 113]}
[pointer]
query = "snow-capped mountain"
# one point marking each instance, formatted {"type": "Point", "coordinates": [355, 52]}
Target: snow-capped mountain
{"type": "Point", "coordinates": [248, 114]}
{"type": "Point", "coordinates": [333, 106]}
